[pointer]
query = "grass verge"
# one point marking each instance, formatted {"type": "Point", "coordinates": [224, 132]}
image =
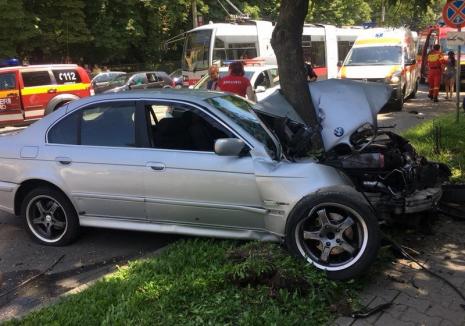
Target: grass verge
{"type": "Point", "coordinates": [199, 282]}
{"type": "Point", "coordinates": [452, 143]}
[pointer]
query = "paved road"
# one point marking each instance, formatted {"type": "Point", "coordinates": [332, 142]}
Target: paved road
{"type": "Point", "coordinates": [416, 111]}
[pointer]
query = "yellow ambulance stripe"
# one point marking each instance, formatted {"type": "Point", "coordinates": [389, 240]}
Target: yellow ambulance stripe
{"type": "Point", "coordinates": [59, 88]}
{"type": "Point", "coordinates": [381, 40]}
{"type": "Point", "coordinates": [11, 91]}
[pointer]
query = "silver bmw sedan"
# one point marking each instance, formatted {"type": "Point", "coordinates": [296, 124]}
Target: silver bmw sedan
{"type": "Point", "coordinates": [185, 162]}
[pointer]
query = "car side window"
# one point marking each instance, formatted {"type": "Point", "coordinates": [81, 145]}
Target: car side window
{"type": "Point", "coordinates": [110, 125]}
{"type": "Point", "coordinates": [7, 81]}
{"type": "Point", "coordinates": [36, 78]}
{"type": "Point", "coordinates": [181, 127]}
{"type": "Point", "coordinates": [274, 76]}
{"type": "Point", "coordinates": [263, 80]}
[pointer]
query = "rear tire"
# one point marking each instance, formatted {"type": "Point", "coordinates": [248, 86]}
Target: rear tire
{"type": "Point", "coordinates": [49, 217]}
{"type": "Point", "coordinates": [336, 232]}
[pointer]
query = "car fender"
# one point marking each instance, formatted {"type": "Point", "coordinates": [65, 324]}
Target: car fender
{"type": "Point", "coordinates": [57, 100]}
{"type": "Point", "coordinates": [282, 185]}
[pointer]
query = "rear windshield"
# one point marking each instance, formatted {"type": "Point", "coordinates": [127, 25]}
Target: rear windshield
{"type": "Point", "coordinates": [66, 76]}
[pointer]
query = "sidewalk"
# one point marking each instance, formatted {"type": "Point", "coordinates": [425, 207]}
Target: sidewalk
{"type": "Point", "coordinates": [418, 298]}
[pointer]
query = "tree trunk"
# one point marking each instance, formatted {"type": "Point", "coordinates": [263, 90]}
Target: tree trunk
{"type": "Point", "coordinates": [287, 45]}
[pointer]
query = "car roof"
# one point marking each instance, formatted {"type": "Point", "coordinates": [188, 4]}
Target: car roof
{"type": "Point", "coordinates": [33, 67]}
{"type": "Point", "coordinates": [187, 95]}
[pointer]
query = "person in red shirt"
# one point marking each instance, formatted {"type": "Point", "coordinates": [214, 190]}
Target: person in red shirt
{"type": "Point", "coordinates": [236, 83]}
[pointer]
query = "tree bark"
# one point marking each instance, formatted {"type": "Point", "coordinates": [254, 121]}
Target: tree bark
{"type": "Point", "coordinates": [287, 45]}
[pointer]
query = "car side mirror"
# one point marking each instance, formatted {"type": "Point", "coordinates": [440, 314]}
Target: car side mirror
{"type": "Point", "coordinates": [260, 89]}
{"type": "Point", "coordinates": [339, 63]}
{"type": "Point", "coordinates": [229, 147]}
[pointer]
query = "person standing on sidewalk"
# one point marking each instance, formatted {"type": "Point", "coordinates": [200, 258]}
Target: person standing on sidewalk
{"type": "Point", "coordinates": [449, 74]}
{"type": "Point", "coordinates": [435, 64]}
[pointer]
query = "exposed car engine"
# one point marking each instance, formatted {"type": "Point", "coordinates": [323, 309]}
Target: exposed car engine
{"type": "Point", "coordinates": [386, 168]}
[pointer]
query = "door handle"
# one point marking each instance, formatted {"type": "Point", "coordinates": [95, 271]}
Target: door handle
{"type": "Point", "coordinates": [63, 160]}
{"type": "Point", "coordinates": [52, 90]}
{"type": "Point", "coordinates": [156, 166]}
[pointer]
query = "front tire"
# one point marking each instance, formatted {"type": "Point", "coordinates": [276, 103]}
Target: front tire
{"type": "Point", "coordinates": [49, 217]}
{"type": "Point", "coordinates": [336, 232]}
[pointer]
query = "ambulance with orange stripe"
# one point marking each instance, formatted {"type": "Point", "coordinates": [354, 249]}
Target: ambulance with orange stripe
{"type": "Point", "coordinates": [386, 56]}
{"type": "Point", "coordinates": [27, 93]}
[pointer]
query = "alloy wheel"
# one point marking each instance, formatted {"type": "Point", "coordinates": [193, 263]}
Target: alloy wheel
{"type": "Point", "coordinates": [332, 236]}
{"type": "Point", "coordinates": [46, 218]}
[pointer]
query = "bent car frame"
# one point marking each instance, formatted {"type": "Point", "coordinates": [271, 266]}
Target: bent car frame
{"type": "Point", "coordinates": [211, 164]}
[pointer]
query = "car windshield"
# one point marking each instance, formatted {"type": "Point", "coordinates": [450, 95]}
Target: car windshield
{"type": "Point", "coordinates": [197, 50]}
{"type": "Point", "coordinates": [120, 80]}
{"type": "Point", "coordinates": [374, 56]}
{"type": "Point", "coordinates": [202, 84]}
{"type": "Point", "coordinates": [240, 111]}
{"type": "Point", "coordinates": [176, 73]}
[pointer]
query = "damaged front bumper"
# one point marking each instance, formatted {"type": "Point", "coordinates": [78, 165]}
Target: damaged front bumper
{"type": "Point", "coordinates": [419, 201]}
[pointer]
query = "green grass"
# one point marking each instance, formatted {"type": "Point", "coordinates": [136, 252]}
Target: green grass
{"type": "Point", "coordinates": [452, 143]}
{"type": "Point", "coordinates": [206, 282]}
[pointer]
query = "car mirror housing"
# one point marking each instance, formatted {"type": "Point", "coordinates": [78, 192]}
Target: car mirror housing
{"type": "Point", "coordinates": [229, 147]}
{"type": "Point", "coordinates": [260, 89]}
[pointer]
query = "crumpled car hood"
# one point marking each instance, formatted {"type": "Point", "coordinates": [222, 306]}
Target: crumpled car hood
{"type": "Point", "coordinates": [343, 107]}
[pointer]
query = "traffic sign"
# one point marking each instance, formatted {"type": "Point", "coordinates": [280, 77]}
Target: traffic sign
{"type": "Point", "coordinates": [453, 13]}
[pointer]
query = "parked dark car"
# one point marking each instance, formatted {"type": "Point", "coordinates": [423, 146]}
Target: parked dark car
{"type": "Point", "coordinates": [101, 82]}
{"type": "Point", "coordinates": [177, 78]}
{"type": "Point", "coordinates": [140, 80]}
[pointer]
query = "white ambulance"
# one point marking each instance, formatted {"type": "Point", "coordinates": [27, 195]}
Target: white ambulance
{"type": "Point", "coordinates": [387, 56]}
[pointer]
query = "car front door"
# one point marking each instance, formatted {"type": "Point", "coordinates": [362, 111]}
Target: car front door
{"type": "Point", "coordinates": [10, 103]}
{"type": "Point", "coordinates": [186, 182]}
{"type": "Point", "coordinates": [96, 153]}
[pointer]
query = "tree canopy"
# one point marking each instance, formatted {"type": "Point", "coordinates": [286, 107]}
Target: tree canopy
{"type": "Point", "coordinates": [134, 31]}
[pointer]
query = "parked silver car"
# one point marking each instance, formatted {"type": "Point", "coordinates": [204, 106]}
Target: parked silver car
{"type": "Point", "coordinates": [198, 163]}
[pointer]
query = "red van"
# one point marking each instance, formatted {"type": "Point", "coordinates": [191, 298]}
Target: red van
{"type": "Point", "coordinates": [28, 93]}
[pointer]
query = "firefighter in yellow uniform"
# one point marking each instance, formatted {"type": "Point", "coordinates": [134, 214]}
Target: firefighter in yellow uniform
{"type": "Point", "coordinates": [436, 64]}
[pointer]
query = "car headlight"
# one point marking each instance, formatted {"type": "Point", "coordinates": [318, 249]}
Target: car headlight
{"type": "Point", "coordinates": [394, 79]}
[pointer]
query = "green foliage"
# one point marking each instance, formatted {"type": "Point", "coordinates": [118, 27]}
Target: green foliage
{"type": "Point", "coordinates": [134, 31]}
{"type": "Point", "coordinates": [17, 28]}
{"type": "Point", "coordinates": [339, 12]}
{"type": "Point", "coordinates": [452, 143]}
{"type": "Point", "coordinates": [191, 283]}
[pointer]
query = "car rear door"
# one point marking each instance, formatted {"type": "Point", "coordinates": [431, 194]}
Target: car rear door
{"type": "Point", "coordinates": [37, 90]}
{"type": "Point", "coordinates": [97, 156]}
{"type": "Point", "coordinates": [10, 101]}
